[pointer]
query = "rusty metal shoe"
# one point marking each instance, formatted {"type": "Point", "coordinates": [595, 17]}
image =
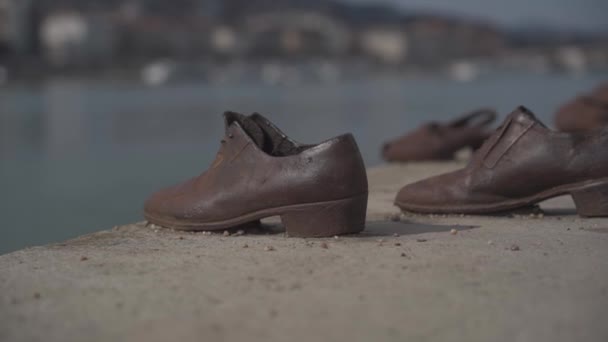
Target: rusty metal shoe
{"type": "Point", "coordinates": [317, 190]}
{"type": "Point", "coordinates": [584, 113]}
{"type": "Point", "coordinates": [600, 93]}
{"type": "Point", "coordinates": [440, 141]}
{"type": "Point", "coordinates": [521, 164]}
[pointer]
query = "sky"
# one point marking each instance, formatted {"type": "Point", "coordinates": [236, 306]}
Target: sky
{"type": "Point", "coordinates": [584, 15]}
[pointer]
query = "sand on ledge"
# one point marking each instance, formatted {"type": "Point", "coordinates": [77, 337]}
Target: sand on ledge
{"type": "Point", "coordinates": [406, 278]}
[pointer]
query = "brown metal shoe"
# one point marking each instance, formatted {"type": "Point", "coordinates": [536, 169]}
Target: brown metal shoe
{"type": "Point", "coordinates": [521, 164]}
{"type": "Point", "coordinates": [600, 93]}
{"type": "Point", "coordinates": [584, 113]}
{"type": "Point", "coordinates": [317, 190]}
{"type": "Point", "coordinates": [440, 141]}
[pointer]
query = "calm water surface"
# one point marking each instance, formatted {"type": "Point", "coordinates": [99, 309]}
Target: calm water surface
{"type": "Point", "coordinates": [80, 156]}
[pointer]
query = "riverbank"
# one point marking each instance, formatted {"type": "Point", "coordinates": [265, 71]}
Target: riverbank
{"type": "Point", "coordinates": [530, 276]}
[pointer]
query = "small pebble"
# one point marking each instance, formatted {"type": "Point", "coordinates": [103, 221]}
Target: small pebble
{"type": "Point", "coordinates": [420, 240]}
{"type": "Point", "coordinates": [84, 258]}
{"type": "Point", "coordinates": [324, 245]}
{"type": "Point", "coordinates": [181, 238]}
{"type": "Point", "coordinates": [245, 246]}
{"type": "Point", "coordinates": [37, 295]}
{"type": "Point", "coordinates": [490, 242]}
{"type": "Point", "coordinates": [403, 254]}
{"type": "Point", "coordinates": [336, 237]}
{"type": "Point", "coordinates": [514, 247]}
{"type": "Point", "coordinates": [239, 233]}
{"type": "Point", "coordinates": [396, 235]}
{"type": "Point", "coordinates": [269, 248]}
{"type": "Point", "coordinates": [537, 215]}
{"type": "Point", "coordinates": [226, 233]}
{"type": "Point", "coordinates": [397, 243]}
{"type": "Point", "coordinates": [454, 231]}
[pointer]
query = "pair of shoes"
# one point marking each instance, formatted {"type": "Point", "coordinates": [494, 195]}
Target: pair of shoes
{"type": "Point", "coordinates": [440, 141]}
{"type": "Point", "coordinates": [521, 164]}
{"type": "Point", "coordinates": [584, 113]}
{"type": "Point", "coordinates": [321, 190]}
{"type": "Point", "coordinates": [317, 190]}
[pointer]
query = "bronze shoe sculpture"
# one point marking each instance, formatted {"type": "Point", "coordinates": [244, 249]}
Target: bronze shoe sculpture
{"type": "Point", "coordinates": [600, 93]}
{"type": "Point", "coordinates": [521, 164]}
{"type": "Point", "coordinates": [584, 113]}
{"type": "Point", "coordinates": [440, 141]}
{"type": "Point", "coordinates": [317, 190]}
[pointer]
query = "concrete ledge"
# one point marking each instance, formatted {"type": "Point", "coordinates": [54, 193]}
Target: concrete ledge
{"type": "Point", "coordinates": [522, 278]}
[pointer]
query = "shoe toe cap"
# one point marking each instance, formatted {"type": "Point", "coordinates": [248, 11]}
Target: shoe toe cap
{"type": "Point", "coordinates": [435, 193]}
{"type": "Point", "coordinates": [167, 201]}
{"type": "Point", "coordinates": [418, 194]}
{"type": "Point", "coordinates": [155, 204]}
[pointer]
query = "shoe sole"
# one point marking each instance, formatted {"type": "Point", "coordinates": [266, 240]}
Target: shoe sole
{"type": "Point", "coordinates": [590, 198]}
{"type": "Point", "coordinates": [319, 219]}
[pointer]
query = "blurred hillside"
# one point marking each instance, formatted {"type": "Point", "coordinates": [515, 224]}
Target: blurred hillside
{"type": "Point", "coordinates": [40, 36]}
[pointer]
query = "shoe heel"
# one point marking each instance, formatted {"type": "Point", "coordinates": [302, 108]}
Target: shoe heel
{"type": "Point", "coordinates": [331, 218]}
{"type": "Point", "coordinates": [591, 201]}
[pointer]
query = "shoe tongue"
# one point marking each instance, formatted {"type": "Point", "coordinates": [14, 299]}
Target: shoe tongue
{"type": "Point", "coordinates": [523, 115]}
{"type": "Point", "coordinates": [250, 127]}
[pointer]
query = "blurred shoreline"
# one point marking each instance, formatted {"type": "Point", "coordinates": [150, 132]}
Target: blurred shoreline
{"type": "Point", "coordinates": [166, 71]}
{"type": "Point", "coordinates": [156, 41]}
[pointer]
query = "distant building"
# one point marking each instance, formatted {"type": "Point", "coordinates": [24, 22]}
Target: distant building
{"type": "Point", "coordinates": [224, 41]}
{"type": "Point", "coordinates": [434, 40]}
{"type": "Point", "coordinates": [70, 37]}
{"type": "Point", "coordinates": [295, 33]}
{"type": "Point", "coordinates": [16, 26]}
{"type": "Point", "coordinates": [387, 45]}
{"type": "Point", "coordinates": [180, 36]}
{"type": "Point", "coordinates": [5, 39]}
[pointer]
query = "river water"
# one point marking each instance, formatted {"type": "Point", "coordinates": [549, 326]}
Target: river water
{"type": "Point", "coordinates": [78, 156]}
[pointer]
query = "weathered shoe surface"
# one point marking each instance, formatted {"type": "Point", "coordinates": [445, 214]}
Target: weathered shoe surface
{"type": "Point", "coordinates": [584, 113]}
{"type": "Point", "coordinates": [318, 190]}
{"type": "Point", "coordinates": [521, 164]}
{"type": "Point", "coordinates": [600, 93]}
{"type": "Point", "coordinates": [440, 141]}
